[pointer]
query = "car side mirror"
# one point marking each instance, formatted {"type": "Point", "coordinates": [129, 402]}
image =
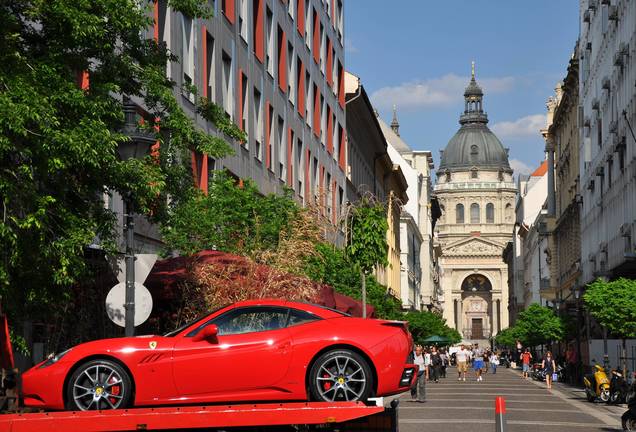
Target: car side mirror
{"type": "Point", "coordinates": [208, 333]}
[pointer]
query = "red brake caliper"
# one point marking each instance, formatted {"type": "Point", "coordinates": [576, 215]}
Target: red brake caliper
{"type": "Point", "coordinates": [114, 390]}
{"type": "Point", "coordinates": [327, 384]}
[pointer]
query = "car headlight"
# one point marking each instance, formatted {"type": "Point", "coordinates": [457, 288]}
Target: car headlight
{"type": "Point", "coordinates": [54, 359]}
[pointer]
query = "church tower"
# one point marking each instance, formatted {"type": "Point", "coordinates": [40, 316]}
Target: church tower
{"type": "Point", "coordinates": [476, 193]}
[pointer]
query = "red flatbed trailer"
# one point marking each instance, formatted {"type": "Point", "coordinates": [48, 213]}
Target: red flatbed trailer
{"type": "Point", "coordinates": [249, 417]}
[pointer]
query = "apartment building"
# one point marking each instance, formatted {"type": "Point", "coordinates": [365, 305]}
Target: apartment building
{"type": "Point", "coordinates": [277, 69]}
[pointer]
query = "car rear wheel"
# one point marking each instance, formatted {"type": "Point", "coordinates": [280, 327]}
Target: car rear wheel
{"type": "Point", "coordinates": [340, 375]}
{"type": "Point", "coordinates": [98, 385]}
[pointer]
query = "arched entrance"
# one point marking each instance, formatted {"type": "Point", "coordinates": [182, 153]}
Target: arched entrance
{"type": "Point", "coordinates": [476, 304]}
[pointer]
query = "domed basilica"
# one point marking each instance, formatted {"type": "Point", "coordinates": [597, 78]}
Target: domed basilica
{"type": "Point", "coordinates": [476, 193]}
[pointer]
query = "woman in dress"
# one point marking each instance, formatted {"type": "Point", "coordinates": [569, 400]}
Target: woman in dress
{"type": "Point", "coordinates": [549, 366]}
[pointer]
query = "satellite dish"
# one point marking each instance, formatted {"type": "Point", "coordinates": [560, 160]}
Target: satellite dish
{"type": "Point", "coordinates": [117, 297]}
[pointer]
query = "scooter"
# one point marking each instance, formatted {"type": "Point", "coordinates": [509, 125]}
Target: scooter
{"type": "Point", "coordinates": [618, 388]}
{"type": "Point", "coordinates": [597, 385]}
{"type": "Point", "coordinates": [629, 418]}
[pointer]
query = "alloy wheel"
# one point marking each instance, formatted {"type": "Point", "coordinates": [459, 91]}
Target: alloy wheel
{"type": "Point", "coordinates": [98, 386]}
{"type": "Point", "coordinates": [341, 376]}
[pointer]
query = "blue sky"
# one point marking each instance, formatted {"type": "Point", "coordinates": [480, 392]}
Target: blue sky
{"type": "Point", "coordinates": [417, 54]}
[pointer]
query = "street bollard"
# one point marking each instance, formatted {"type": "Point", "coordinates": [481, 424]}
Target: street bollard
{"type": "Point", "coordinates": [500, 414]}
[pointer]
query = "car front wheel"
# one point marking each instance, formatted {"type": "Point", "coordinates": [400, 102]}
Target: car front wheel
{"type": "Point", "coordinates": [340, 375]}
{"type": "Point", "coordinates": [98, 385]}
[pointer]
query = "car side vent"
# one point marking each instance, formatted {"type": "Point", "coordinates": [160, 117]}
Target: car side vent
{"type": "Point", "coordinates": [151, 358]}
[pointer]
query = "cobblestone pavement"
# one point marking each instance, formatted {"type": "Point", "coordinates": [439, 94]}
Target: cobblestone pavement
{"type": "Point", "coordinates": [470, 407]}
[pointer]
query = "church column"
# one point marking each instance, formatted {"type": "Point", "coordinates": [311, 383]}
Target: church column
{"type": "Point", "coordinates": [498, 315]}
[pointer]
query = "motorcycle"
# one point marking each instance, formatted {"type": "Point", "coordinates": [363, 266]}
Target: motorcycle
{"type": "Point", "coordinates": [629, 417]}
{"type": "Point", "coordinates": [618, 388]}
{"type": "Point", "coordinates": [539, 374]}
{"type": "Point", "coordinates": [597, 385]}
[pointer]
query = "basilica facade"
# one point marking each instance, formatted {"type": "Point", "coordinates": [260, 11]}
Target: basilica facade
{"type": "Point", "coordinates": [476, 193]}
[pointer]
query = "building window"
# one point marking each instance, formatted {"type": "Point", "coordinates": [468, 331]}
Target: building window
{"type": "Point", "coordinates": [442, 217]}
{"type": "Point", "coordinates": [282, 59]}
{"type": "Point", "coordinates": [599, 130]}
{"type": "Point", "coordinates": [474, 213]}
{"type": "Point", "coordinates": [610, 168]}
{"type": "Point", "coordinates": [243, 104]}
{"type": "Point", "coordinates": [187, 55]}
{"type": "Point", "coordinates": [459, 213]}
{"type": "Point", "coordinates": [269, 42]}
{"type": "Point", "coordinates": [282, 150]}
{"type": "Point", "coordinates": [490, 213]}
{"type": "Point", "coordinates": [270, 136]}
{"type": "Point", "coordinates": [210, 69]}
{"type": "Point", "coordinates": [300, 168]}
{"type": "Point", "coordinates": [258, 44]}
{"type": "Point", "coordinates": [474, 173]}
{"type": "Point", "coordinates": [258, 122]}
{"type": "Point", "coordinates": [243, 23]}
{"type": "Point", "coordinates": [227, 7]}
{"type": "Point", "coordinates": [291, 73]}
{"type": "Point", "coordinates": [227, 84]}
{"type": "Point", "coordinates": [508, 212]}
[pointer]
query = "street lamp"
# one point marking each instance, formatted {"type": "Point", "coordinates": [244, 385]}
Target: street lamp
{"type": "Point", "coordinates": [136, 147]}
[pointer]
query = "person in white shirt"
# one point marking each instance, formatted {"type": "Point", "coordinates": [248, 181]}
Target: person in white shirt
{"type": "Point", "coordinates": [418, 391]}
{"type": "Point", "coordinates": [494, 361]}
{"type": "Point", "coordinates": [427, 362]}
{"type": "Point", "coordinates": [461, 358]}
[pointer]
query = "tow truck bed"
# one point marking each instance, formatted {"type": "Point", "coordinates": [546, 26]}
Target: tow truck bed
{"type": "Point", "coordinates": [252, 417]}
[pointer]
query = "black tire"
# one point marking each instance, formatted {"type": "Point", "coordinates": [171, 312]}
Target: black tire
{"type": "Point", "coordinates": [340, 375]}
{"type": "Point", "coordinates": [98, 384]}
{"type": "Point", "coordinates": [628, 421]}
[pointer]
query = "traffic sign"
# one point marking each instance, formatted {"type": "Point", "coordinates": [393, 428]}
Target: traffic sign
{"type": "Point", "coordinates": [117, 297]}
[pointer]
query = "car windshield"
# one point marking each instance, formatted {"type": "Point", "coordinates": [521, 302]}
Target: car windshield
{"type": "Point", "coordinates": [189, 323]}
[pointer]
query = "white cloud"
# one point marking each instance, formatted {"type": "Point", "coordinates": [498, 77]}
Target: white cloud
{"type": "Point", "coordinates": [520, 167]}
{"type": "Point", "coordinates": [437, 92]}
{"type": "Point", "coordinates": [525, 126]}
{"type": "Point", "coordinates": [349, 47]}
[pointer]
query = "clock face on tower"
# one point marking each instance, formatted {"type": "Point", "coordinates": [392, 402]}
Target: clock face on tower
{"type": "Point", "coordinates": [475, 306]}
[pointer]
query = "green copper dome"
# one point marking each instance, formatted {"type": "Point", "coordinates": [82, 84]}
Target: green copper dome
{"type": "Point", "coordinates": [474, 145]}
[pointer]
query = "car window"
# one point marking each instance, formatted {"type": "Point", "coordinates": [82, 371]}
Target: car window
{"type": "Point", "coordinates": [251, 319]}
{"type": "Point", "coordinates": [297, 317]}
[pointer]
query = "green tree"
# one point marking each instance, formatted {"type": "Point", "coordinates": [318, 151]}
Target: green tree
{"type": "Point", "coordinates": [59, 142]}
{"type": "Point", "coordinates": [332, 267]}
{"type": "Point", "coordinates": [425, 324]}
{"type": "Point", "coordinates": [613, 305]}
{"type": "Point", "coordinates": [538, 325]}
{"type": "Point", "coordinates": [366, 239]}
{"type": "Point", "coordinates": [231, 217]}
{"type": "Point", "coordinates": [507, 337]}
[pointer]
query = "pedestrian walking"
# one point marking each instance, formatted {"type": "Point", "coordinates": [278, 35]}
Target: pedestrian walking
{"type": "Point", "coordinates": [525, 363]}
{"type": "Point", "coordinates": [461, 358]}
{"type": "Point", "coordinates": [549, 366]}
{"type": "Point", "coordinates": [494, 362]}
{"type": "Point", "coordinates": [418, 391]}
{"type": "Point", "coordinates": [487, 354]}
{"type": "Point", "coordinates": [444, 357]}
{"type": "Point", "coordinates": [427, 364]}
{"type": "Point", "coordinates": [436, 364]}
{"type": "Point", "coordinates": [478, 362]}
{"type": "Point", "coordinates": [571, 360]}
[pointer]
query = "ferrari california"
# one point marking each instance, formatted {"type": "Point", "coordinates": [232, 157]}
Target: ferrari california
{"type": "Point", "coordinates": [265, 350]}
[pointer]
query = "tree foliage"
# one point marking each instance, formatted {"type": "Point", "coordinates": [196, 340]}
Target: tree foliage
{"type": "Point", "coordinates": [613, 305]}
{"type": "Point", "coordinates": [232, 217]}
{"type": "Point", "coordinates": [535, 326]}
{"type": "Point", "coordinates": [58, 142]}
{"type": "Point", "coordinates": [366, 234]}
{"type": "Point", "coordinates": [425, 324]}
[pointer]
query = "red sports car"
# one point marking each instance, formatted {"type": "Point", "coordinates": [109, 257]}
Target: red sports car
{"type": "Point", "coordinates": [250, 351]}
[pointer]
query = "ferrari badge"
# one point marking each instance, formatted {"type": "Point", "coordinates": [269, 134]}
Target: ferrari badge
{"type": "Point", "coordinates": [152, 344]}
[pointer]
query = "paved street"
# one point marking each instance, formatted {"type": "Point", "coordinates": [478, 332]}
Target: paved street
{"type": "Point", "coordinates": [470, 406]}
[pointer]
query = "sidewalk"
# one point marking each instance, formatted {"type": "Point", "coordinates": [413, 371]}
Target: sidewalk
{"type": "Point", "coordinates": [577, 394]}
